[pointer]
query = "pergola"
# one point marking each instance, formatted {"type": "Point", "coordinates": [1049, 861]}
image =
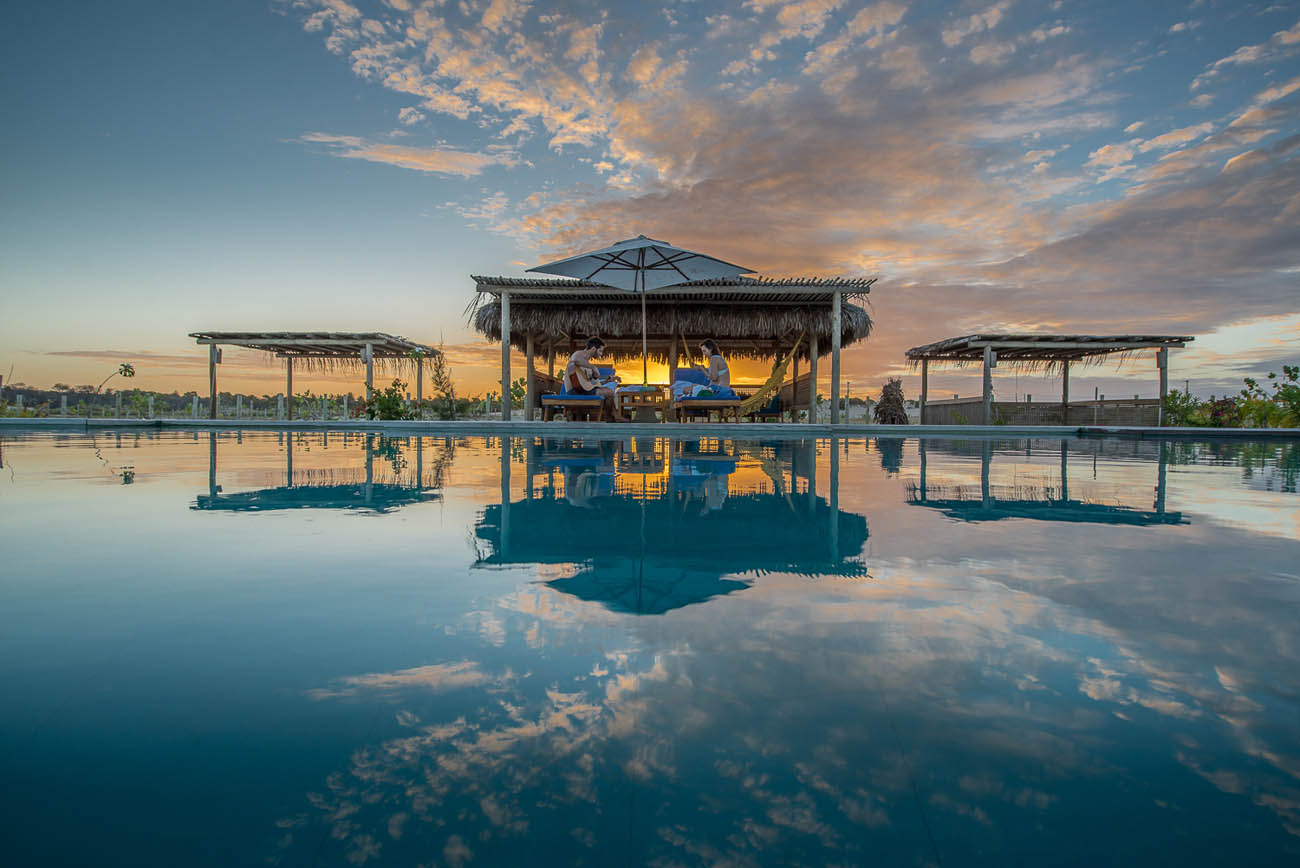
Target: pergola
{"type": "Point", "coordinates": [1037, 351]}
{"type": "Point", "coordinates": [321, 349]}
{"type": "Point", "coordinates": [753, 317]}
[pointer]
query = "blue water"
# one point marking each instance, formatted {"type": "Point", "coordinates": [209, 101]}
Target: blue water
{"type": "Point", "coordinates": [238, 649]}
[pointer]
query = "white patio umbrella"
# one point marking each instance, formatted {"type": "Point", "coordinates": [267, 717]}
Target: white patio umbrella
{"type": "Point", "coordinates": [641, 264]}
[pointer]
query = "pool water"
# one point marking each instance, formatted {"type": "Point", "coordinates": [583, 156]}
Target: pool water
{"type": "Point", "coordinates": [327, 649]}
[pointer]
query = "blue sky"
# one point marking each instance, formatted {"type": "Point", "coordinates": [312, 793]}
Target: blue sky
{"type": "Point", "coordinates": [287, 164]}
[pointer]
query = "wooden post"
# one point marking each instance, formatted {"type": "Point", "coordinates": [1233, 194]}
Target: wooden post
{"type": "Point", "coordinates": [212, 464]}
{"type": "Point", "coordinates": [669, 413]}
{"type": "Point", "coordinates": [989, 361]}
{"type": "Point", "coordinates": [419, 385]}
{"type": "Point", "coordinates": [1065, 393]}
{"type": "Point", "coordinates": [1162, 361]}
{"type": "Point", "coordinates": [812, 378]}
{"type": "Point", "coordinates": [794, 385]}
{"type": "Point", "coordinates": [835, 358]}
{"type": "Point", "coordinates": [505, 357]}
{"type": "Point", "coordinates": [288, 390]}
{"type": "Point", "coordinates": [833, 535]}
{"type": "Point", "coordinates": [550, 358]}
{"type": "Point", "coordinates": [370, 372]}
{"type": "Point", "coordinates": [530, 389]}
{"type": "Point", "coordinates": [925, 386]}
{"type": "Point", "coordinates": [212, 381]}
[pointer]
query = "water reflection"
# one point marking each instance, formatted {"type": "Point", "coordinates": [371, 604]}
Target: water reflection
{"type": "Point", "coordinates": [336, 487]}
{"type": "Point", "coordinates": [1034, 499]}
{"type": "Point", "coordinates": [594, 652]}
{"type": "Point", "coordinates": [649, 525]}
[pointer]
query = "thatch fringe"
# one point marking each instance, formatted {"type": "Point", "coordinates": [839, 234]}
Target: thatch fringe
{"type": "Point", "coordinates": [1046, 367]}
{"type": "Point", "coordinates": [344, 364]}
{"type": "Point", "coordinates": [745, 332]}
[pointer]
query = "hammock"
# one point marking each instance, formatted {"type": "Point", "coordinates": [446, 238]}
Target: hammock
{"type": "Point", "coordinates": [774, 381]}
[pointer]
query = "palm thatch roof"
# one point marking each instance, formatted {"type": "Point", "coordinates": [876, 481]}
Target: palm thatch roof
{"type": "Point", "coordinates": [326, 351]}
{"type": "Point", "coordinates": [758, 318]}
{"type": "Point", "coordinates": [1038, 351]}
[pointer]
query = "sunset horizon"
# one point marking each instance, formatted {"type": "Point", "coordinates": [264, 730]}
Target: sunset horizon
{"type": "Point", "coordinates": [314, 165]}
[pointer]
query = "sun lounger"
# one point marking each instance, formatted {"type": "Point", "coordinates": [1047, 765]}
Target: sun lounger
{"type": "Point", "coordinates": [573, 405]}
{"type": "Point", "coordinates": [694, 406]}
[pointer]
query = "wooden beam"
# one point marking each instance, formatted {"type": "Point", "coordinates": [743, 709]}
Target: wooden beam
{"type": "Point", "coordinates": [988, 384]}
{"type": "Point", "coordinates": [530, 391]}
{"type": "Point", "coordinates": [1162, 362]}
{"type": "Point", "coordinates": [835, 359]}
{"type": "Point", "coordinates": [812, 379]}
{"type": "Point", "coordinates": [212, 381]}
{"type": "Point", "coordinates": [794, 385]}
{"type": "Point", "coordinates": [369, 355]}
{"type": "Point", "coordinates": [419, 386]}
{"type": "Point", "coordinates": [288, 399]}
{"type": "Point", "coordinates": [505, 356]}
{"type": "Point", "coordinates": [1051, 346]}
{"type": "Point", "coordinates": [925, 386]}
{"type": "Point", "coordinates": [533, 294]}
{"type": "Point", "coordinates": [1065, 393]}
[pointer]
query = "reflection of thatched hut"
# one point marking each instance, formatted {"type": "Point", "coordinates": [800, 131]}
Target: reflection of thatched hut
{"type": "Point", "coordinates": [756, 318]}
{"type": "Point", "coordinates": [626, 537]}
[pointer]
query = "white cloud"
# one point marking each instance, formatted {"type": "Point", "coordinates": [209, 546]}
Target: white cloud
{"type": "Point", "coordinates": [440, 160]}
{"type": "Point", "coordinates": [977, 23]}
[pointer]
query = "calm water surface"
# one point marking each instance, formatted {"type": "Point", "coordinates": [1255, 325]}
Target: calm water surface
{"type": "Point", "coordinates": [223, 649]}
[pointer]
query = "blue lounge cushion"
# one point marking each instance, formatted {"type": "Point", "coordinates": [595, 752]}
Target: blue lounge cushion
{"type": "Point", "coordinates": [690, 375]}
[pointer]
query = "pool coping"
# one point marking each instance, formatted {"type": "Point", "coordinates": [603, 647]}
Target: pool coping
{"type": "Point", "coordinates": [763, 430]}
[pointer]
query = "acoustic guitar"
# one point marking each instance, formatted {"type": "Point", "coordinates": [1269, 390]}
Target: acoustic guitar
{"type": "Point", "coordinates": [578, 380]}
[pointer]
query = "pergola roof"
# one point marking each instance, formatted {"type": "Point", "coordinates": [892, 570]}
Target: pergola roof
{"type": "Point", "coordinates": [761, 290]}
{"type": "Point", "coordinates": [1039, 348]}
{"type": "Point", "coordinates": [318, 345]}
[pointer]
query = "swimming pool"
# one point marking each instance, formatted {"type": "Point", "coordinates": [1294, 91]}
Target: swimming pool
{"type": "Point", "coordinates": [224, 648]}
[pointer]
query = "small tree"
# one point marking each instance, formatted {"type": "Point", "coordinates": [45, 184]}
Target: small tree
{"type": "Point", "coordinates": [891, 410]}
{"type": "Point", "coordinates": [518, 393]}
{"type": "Point", "coordinates": [389, 403]}
{"type": "Point", "coordinates": [440, 380]}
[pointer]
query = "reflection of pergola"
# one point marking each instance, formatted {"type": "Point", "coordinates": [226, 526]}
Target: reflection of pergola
{"type": "Point", "coordinates": [321, 349]}
{"type": "Point", "coordinates": [1037, 502]}
{"type": "Point", "coordinates": [760, 318]}
{"type": "Point", "coordinates": [1037, 351]}
{"type": "Point", "coordinates": [361, 493]}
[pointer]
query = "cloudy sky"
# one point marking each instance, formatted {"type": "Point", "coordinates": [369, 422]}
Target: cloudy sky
{"type": "Point", "coordinates": [315, 164]}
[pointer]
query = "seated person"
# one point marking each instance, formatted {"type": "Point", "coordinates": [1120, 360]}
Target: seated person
{"type": "Point", "coordinates": [717, 372]}
{"type": "Point", "coordinates": [581, 376]}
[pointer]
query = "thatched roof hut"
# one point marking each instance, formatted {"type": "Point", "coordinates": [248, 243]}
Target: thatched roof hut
{"type": "Point", "coordinates": [755, 318]}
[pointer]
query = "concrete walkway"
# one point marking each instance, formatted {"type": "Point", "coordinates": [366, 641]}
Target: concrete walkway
{"type": "Point", "coordinates": [742, 431]}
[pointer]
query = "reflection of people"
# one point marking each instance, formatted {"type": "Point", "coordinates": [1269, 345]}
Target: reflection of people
{"type": "Point", "coordinates": [580, 486]}
{"type": "Point", "coordinates": [581, 376]}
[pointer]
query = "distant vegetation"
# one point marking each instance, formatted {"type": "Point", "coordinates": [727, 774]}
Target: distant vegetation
{"type": "Point", "coordinates": [1257, 406]}
{"type": "Point", "coordinates": [891, 410]}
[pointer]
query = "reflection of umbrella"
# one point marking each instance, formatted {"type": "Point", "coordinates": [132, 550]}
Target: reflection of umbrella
{"type": "Point", "coordinates": [641, 264]}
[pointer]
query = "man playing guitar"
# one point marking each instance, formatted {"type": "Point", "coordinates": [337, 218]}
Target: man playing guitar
{"type": "Point", "coordinates": [582, 378]}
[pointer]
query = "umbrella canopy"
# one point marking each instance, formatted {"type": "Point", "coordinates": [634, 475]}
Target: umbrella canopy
{"type": "Point", "coordinates": [642, 263]}
{"type": "Point", "coordinates": [639, 265]}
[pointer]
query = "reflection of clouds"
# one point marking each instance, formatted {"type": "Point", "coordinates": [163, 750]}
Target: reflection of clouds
{"type": "Point", "coordinates": [1001, 679]}
{"type": "Point", "coordinates": [440, 677]}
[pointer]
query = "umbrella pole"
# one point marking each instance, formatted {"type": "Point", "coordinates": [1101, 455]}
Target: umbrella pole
{"type": "Point", "coordinates": [645, 355]}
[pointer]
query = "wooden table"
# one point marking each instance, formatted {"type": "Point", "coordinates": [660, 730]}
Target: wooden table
{"type": "Point", "coordinates": [644, 404]}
